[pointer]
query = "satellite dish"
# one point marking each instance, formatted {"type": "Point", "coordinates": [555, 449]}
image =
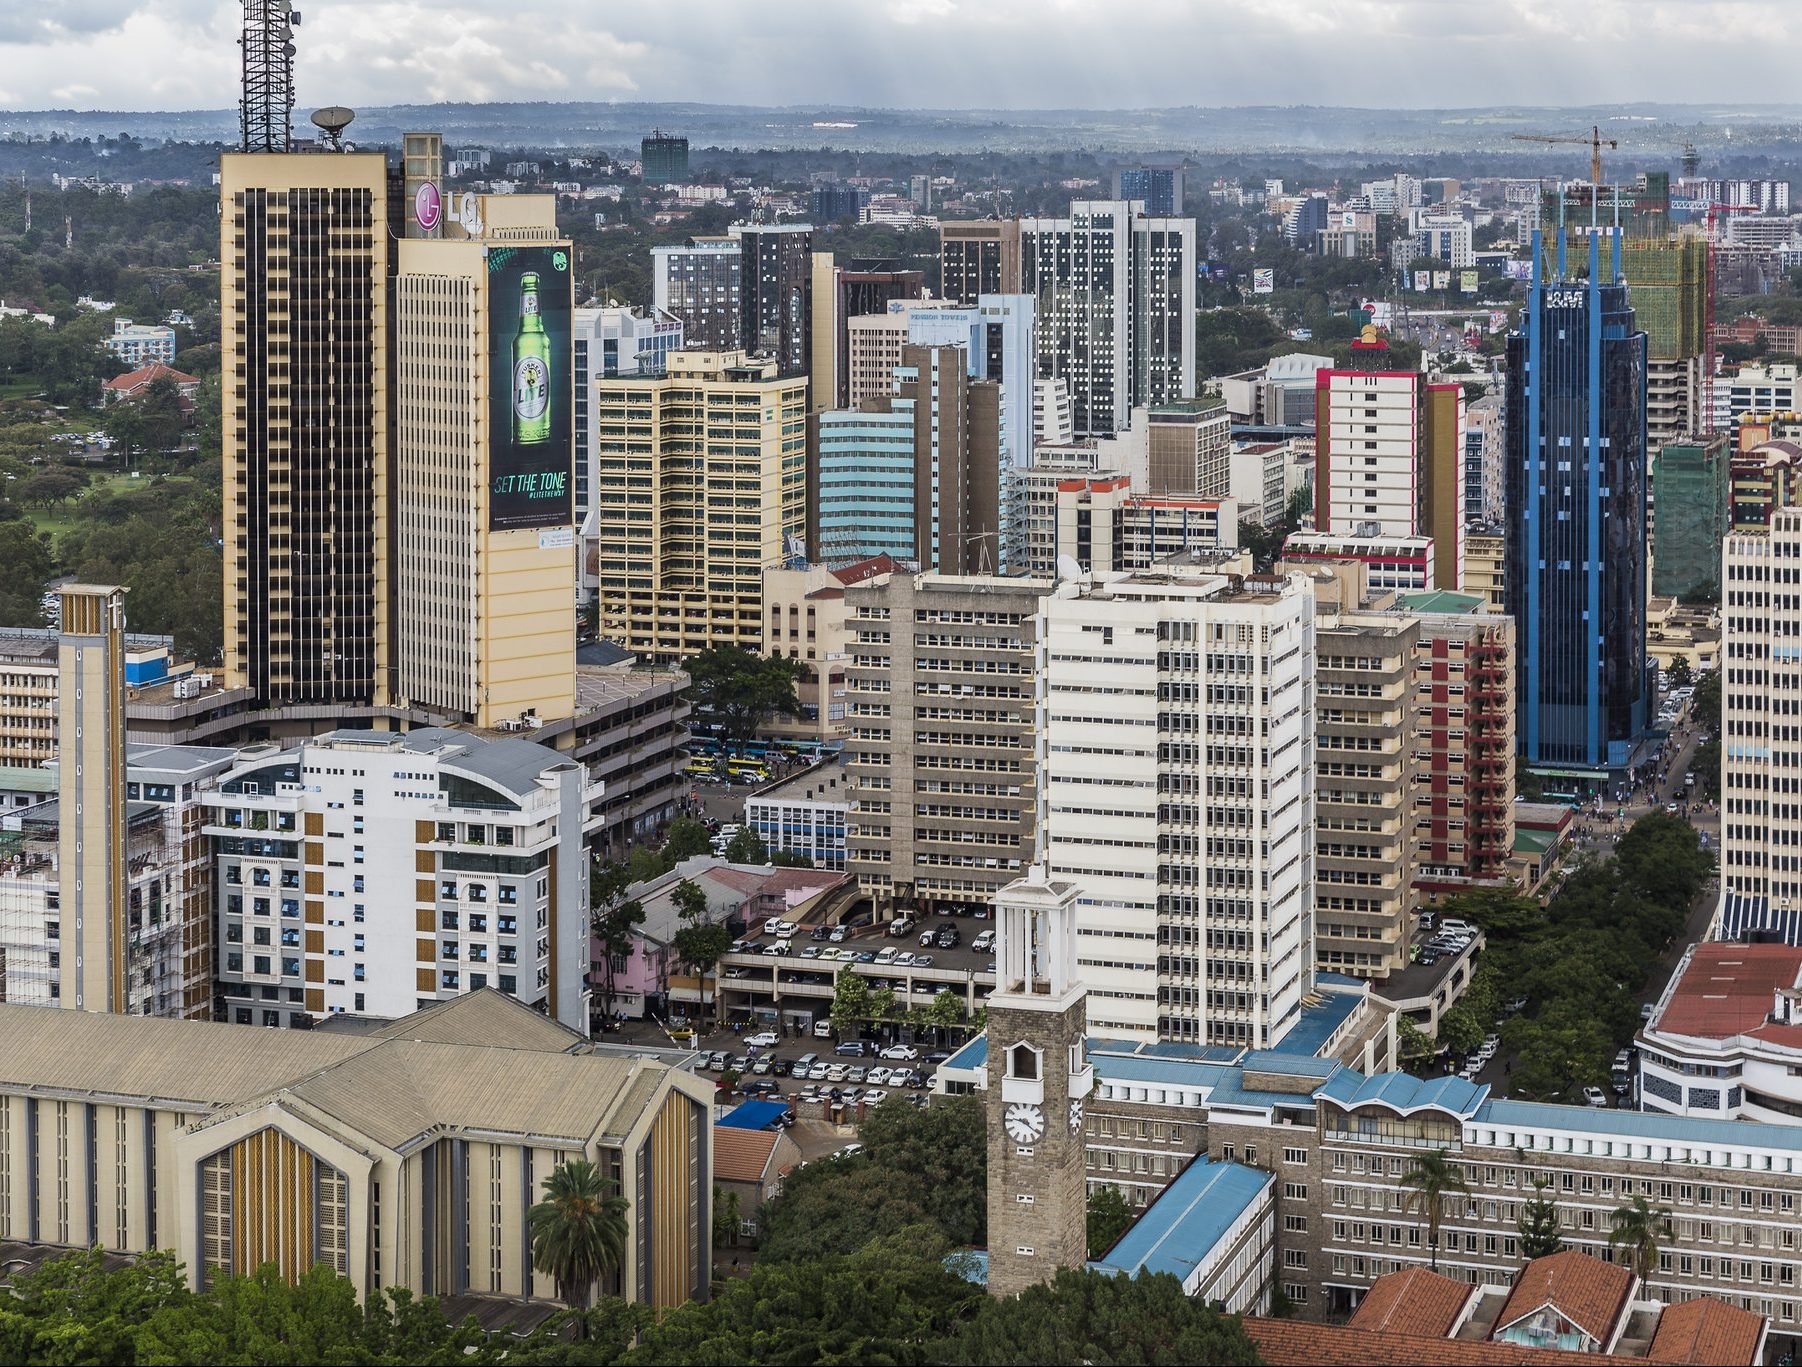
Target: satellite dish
{"type": "Point", "coordinates": [1068, 568]}
{"type": "Point", "coordinates": [334, 119]}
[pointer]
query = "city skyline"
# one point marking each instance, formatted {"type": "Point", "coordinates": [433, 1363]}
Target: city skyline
{"type": "Point", "coordinates": [181, 54]}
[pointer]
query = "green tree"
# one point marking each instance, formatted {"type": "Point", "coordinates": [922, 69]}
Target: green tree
{"type": "Point", "coordinates": [1429, 1181]}
{"type": "Point", "coordinates": [945, 1010]}
{"type": "Point", "coordinates": [699, 941]}
{"type": "Point", "coordinates": [725, 1216]}
{"type": "Point", "coordinates": [578, 1230]}
{"type": "Point", "coordinates": [1459, 1029]}
{"type": "Point", "coordinates": [613, 916]}
{"type": "Point", "coordinates": [850, 1004]}
{"type": "Point", "coordinates": [881, 1302]}
{"type": "Point", "coordinates": [1413, 1043]}
{"type": "Point", "coordinates": [747, 847]}
{"type": "Point", "coordinates": [26, 554]}
{"type": "Point", "coordinates": [1640, 1230]}
{"type": "Point", "coordinates": [1678, 671]}
{"type": "Point", "coordinates": [152, 421]}
{"type": "Point", "coordinates": [685, 839]}
{"type": "Point", "coordinates": [72, 1310]}
{"type": "Point", "coordinates": [738, 691]}
{"type": "Point", "coordinates": [788, 859]}
{"type": "Point", "coordinates": [1085, 1316]}
{"type": "Point", "coordinates": [1109, 1218]}
{"type": "Point", "coordinates": [1538, 1224]}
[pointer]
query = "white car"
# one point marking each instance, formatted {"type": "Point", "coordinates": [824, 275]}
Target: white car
{"type": "Point", "coordinates": [839, 934]}
{"type": "Point", "coordinates": [1594, 1096]}
{"type": "Point", "coordinates": [878, 1076]}
{"type": "Point", "coordinates": [874, 1097]}
{"type": "Point", "coordinates": [902, 1051]}
{"type": "Point", "coordinates": [765, 1039]}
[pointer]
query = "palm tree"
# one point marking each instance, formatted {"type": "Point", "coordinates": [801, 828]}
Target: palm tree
{"type": "Point", "coordinates": [578, 1230]}
{"type": "Point", "coordinates": [1432, 1178]}
{"type": "Point", "coordinates": [1640, 1229]}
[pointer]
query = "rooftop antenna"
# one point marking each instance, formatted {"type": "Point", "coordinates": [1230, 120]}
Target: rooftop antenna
{"type": "Point", "coordinates": [332, 121]}
{"type": "Point", "coordinates": [266, 96]}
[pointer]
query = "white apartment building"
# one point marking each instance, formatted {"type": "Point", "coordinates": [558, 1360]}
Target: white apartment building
{"type": "Point", "coordinates": [1752, 389]}
{"type": "Point", "coordinates": [1761, 764]}
{"type": "Point", "coordinates": [138, 344]}
{"type": "Point", "coordinates": [1372, 422]}
{"type": "Point", "coordinates": [1176, 752]}
{"type": "Point", "coordinates": [373, 872]}
{"type": "Point", "coordinates": [1725, 1040]}
{"type": "Point", "coordinates": [1444, 237]}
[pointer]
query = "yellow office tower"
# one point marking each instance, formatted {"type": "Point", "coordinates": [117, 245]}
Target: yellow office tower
{"type": "Point", "coordinates": [703, 482]}
{"type": "Point", "coordinates": [303, 283]}
{"type": "Point", "coordinates": [485, 551]}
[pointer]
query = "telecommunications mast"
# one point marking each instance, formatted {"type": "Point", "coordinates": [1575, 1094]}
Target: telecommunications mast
{"type": "Point", "coordinates": [266, 97]}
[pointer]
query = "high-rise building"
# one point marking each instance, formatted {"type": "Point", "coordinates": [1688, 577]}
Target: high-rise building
{"type": "Point", "coordinates": [1761, 770]}
{"type": "Point", "coordinates": [419, 908]}
{"type": "Point", "coordinates": [940, 697]}
{"type": "Point", "coordinates": [1752, 389]}
{"type": "Point", "coordinates": [998, 336]}
{"type": "Point", "coordinates": [1667, 287]}
{"type": "Point", "coordinates": [979, 258]}
{"type": "Point", "coordinates": [1189, 449]}
{"type": "Point", "coordinates": [1114, 292]}
{"type": "Point", "coordinates": [1765, 477]}
{"type": "Point", "coordinates": [1576, 501]}
{"type": "Point", "coordinates": [1389, 458]}
{"type": "Point", "coordinates": [704, 482]}
{"type": "Point", "coordinates": [775, 304]}
{"type": "Point", "coordinates": [663, 158]}
{"type": "Point", "coordinates": [701, 285]}
{"type": "Point", "coordinates": [95, 951]}
{"type": "Point", "coordinates": [1693, 479]}
{"type": "Point", "coordinates": [482, 489]}
{"type": "Point", "coordinates": [1158, 188]}
{"type": "Point", "coordinates": [833, 202]}
{"type": "Point", "coordinates": [1176, 745]}
{"type": "Point", "coordinates": [1100, 522]}
{"type": "Point", "coordinates": [1305, 221]}
{"type": "Point", "coordinates": [304, 314]}
{"type": "Point", "coordinates": [935, 502]}
{"type": "Point", "coordinates": [839, 295]}
{"type": "Point", "coordinates": [1485, 566]}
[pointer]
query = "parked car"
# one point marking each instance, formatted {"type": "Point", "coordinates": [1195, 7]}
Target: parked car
{"type": "Point", "coordinates": [851, 1048]}
{"type": "Point", "coordinates": [906, 1051]}
{"type": "Point", "coordinates": [838, 934]}
{"type": "Point", "coordinates": [949, 937]}
{"type": "Point", "coordinates": [810, 952]}
{"type": "Point", "coordinates": [818, 1072]}
{"type": "Point", "coordinates": [764, 1039]}
{"type": "Point", "coordinates": [819, 933]}
{"type": "Point", "coordinates": [857, 1075]}
{"type": "Point", "coordinates": [879, 1076]}
{"type": "Point", "coordinates": [885, 956]}
{"type": "Point", "coordinates": [902, 926]}
{"type": "Point", "coordinates": [805, 1062]}
{"type": "Point", "coordinates": [875, 1096]}
{"type": "Point", "coordinates": [984, 942]}
{"type": "Point", "coordinates": [836, 1072]}
{"type": "Point", "coordinates": [922, 961]}
{"type": "Point", "coordinates": [1594, 1096]}
{"type": "Point", "coordinates": [903, 960]}
{"type": "Point", "coordinates": [716, 1061]}
{"type": "Point", "coordinates": [928, 937]}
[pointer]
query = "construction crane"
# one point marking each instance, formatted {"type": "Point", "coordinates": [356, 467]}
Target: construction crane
{"type": "Point", "coordinates": [1595, 141]}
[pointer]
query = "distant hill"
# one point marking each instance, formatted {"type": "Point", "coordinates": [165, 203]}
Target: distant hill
{"type": "Point", "coordinates": [1659, 129]}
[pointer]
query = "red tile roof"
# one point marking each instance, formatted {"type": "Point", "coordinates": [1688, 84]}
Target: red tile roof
{"type": "Point", "coordinates": [742, 1155]}
{"type": "Point", "coordinates": [1291, 1343]}
{"type": "Point", "coordinates": [866, 569]}
{"type": "Point", "coordinates": [1726, 989]}
{"type": "Point", "coordinates": [1709, 1331]}
{"type": "Point", "coordinates": [133, 380]}
{"type": "Point", "coordinates": [1590, 1293]}
{"type": "Point", "coordinates": [1413, 1301]}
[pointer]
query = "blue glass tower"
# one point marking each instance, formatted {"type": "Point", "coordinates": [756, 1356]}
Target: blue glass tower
{"type": "Point", "coordinates": [1575, 566]}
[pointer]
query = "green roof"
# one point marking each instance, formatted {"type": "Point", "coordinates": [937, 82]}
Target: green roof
{"type": "Point", "coordinates": [1532, 842]}
{"type": "Point", "coordinates": [1441, 600]}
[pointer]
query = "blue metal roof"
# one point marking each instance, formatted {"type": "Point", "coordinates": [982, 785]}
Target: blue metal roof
{"type": "Point", "coordinates": [1161, 1072]}
{"type": "Point", "coordinates": [1288, 1064]}
{"type": "Point", "coordinates": [1672, 1129]}
{"type": "Point", "coordinates": [975, 1054]}
{"type": "Point", "coordinates": [753, 1115]}
{"type": "Point", "coordinates": [1404, 1093]}
{"type": "Point", "coordinates": [1318, 1022]}
{"type": "Point", "coordinates": [1194, 1053]}
{"type": "Point", "coordinates": [1179, 1230]}
{"type": "Point", "coordinates": [1232, 1091]}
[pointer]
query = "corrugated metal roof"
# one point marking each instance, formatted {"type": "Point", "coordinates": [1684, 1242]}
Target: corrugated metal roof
{"type": "Point", "coordinates": [1674, 1129]}
{"type": "Point", "coordinates": [1404, 1093]}
{"type": "Point", "coordinates": [1179, 1230]}
{"type": "Point", "coordinates": [487, 1017]}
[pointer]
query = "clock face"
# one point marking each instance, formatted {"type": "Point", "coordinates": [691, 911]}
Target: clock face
{"type": "Point", "coordinates": [1075, 1116]}
{"type": "Point", "coordinates": [1024, 1123]}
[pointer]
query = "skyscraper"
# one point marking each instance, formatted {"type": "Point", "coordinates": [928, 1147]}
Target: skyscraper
{"type": "Point", "coordinates": [998, 334]}
{"type": "Point", "coordinates": [1176, 749]}
{"type": "Point", "coordinates": [1576, 472]}
{"type": "Point", "coordinates": [839, 295]}
{"type": "Point", "coordinates": [701, 284]}
{"type": "Point", "coordinates": [663, 158]}
{"type": "Point", "coordinates": [1159, 188]}
{"type": "Point", "coordinates": [1115, 307]}
{"type": "Point", "coordinates": [979, 258]}
{"type": "Point", "coordinates": [304, 314]}
{"type": "Point", "coordinates": [776, 302]}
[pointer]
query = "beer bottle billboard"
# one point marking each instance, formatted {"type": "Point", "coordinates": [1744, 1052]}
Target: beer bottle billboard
{"type": "Point", "coordinates": [530, 364]}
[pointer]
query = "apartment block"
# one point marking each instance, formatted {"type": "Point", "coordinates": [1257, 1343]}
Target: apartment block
{"type": "Point", "coordinates": [703, 483]}
{"type": "Point", "coordinates": [1485, 566]}
{"type": "Point", "coordinates": [304, 313]}
{"type": "Point", "coordinates": [940, 691]}
{"type": "Point", "coordinates": [1103, 525]}
{"type": "Point", "coordinates": [1176, 744]}
{"type": "Point", "coordinates": [701, 284]}
{"type": "Point", "coordinates": [805, 620]}
{"type": "Point", "coordinates": [371, 873]}
{"type": "Point", "coordinates": [1189, 449]}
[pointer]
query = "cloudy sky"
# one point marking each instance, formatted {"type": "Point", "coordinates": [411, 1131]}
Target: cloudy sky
{"type": "Point", "coordinates": [181, 54]}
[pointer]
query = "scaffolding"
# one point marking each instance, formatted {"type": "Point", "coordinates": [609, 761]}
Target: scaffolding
{"type": "Point", "coordinates": [1667, 286]}
{"type": "Point", "coordinates": [1692, 478]}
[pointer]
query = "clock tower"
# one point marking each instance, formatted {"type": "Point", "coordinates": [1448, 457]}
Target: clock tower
{"type": "Point", "coordinates": [1038, 1083]}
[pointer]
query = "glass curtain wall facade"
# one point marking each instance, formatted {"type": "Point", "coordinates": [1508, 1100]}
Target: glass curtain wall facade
{"type": "Point", "coordinates": [1576, 546]}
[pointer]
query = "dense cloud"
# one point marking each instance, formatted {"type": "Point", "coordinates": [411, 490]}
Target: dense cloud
{"type": "Point", "coordinates": [175, 54]}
